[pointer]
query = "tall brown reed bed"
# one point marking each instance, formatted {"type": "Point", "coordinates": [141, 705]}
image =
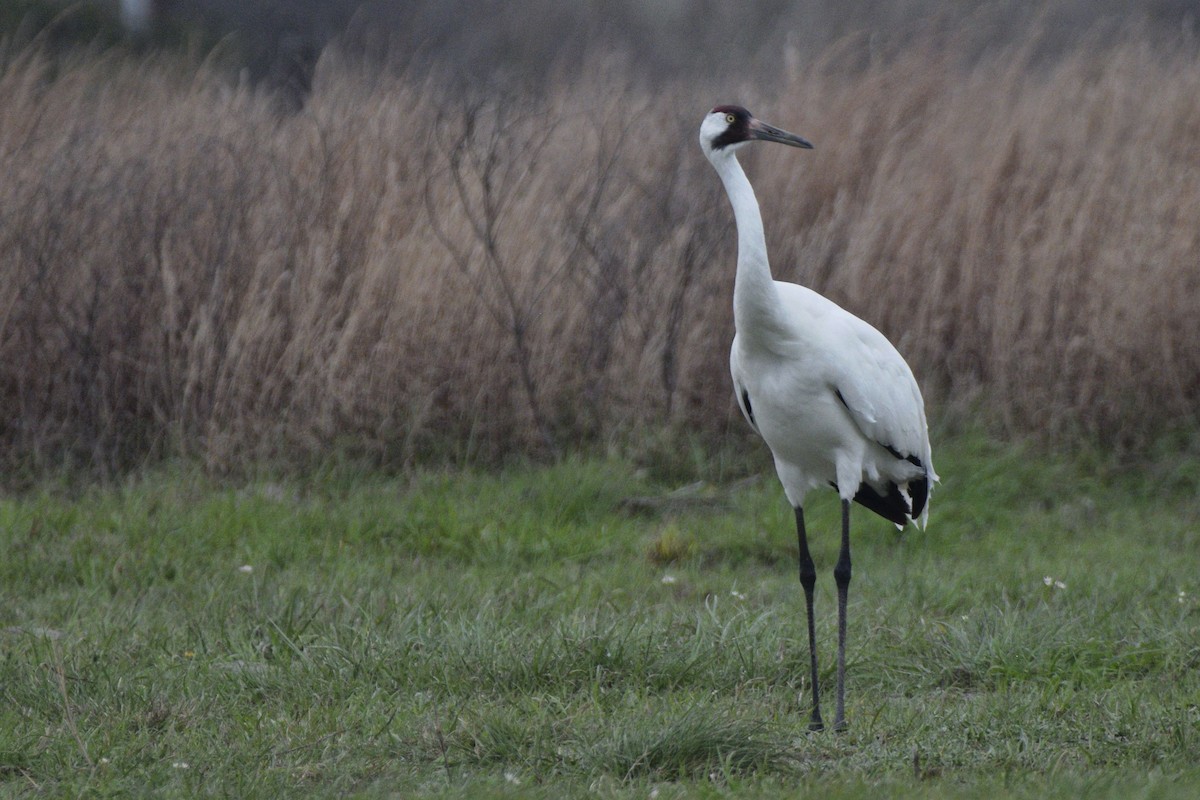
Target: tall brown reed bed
{"type": "Point", "coordinates": [398, 271]}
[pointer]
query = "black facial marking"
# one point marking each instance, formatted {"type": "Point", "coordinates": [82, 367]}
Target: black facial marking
{"type": "Point", "coordinates": [738, 130]}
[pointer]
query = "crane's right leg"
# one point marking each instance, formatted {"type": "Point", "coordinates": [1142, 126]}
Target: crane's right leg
{"type": "Point", "coordinates": [808, 579]}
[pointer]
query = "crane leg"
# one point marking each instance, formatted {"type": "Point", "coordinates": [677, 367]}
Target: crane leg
{"type": "Point", "coordinates": [841, 574]}
{"type": "Point", "coordinates": [808, 579]}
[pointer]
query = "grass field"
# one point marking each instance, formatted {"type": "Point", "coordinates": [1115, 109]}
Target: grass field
{"type": "Point", "coordinates": [530, 633]}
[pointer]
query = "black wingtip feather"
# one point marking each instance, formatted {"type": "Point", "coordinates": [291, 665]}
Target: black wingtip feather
{"type": "Point", "coordinates": [918, 490]}
{"type": "Point", "coordinates": [892, 506]}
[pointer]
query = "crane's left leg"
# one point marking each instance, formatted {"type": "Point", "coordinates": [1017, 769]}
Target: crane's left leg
{"type": "Point", "coordinates": [841, 574]}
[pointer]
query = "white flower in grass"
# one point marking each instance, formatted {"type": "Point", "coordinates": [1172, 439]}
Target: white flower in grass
{"type": "Point", "coordinates": [246, 568]}
{"type": "Point", "coordinates": [669, 579]}
{"type": "Point", "coordinates": [1182, 596]}
{"type": "Point", "coordinates": [512, 778]}
{"type": "Point", "coordinates": [737, 595]}
{"type": "Point", "coordinates": [180, 765]}
{"type": "Point", "coordinates": [1053, 583]}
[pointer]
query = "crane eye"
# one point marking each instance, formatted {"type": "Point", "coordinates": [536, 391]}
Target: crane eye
{"type": "Point", "coordinates": [729, 118]}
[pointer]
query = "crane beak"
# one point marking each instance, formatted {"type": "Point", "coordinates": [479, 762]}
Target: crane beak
{"type": "Point", "coordinates": [769, 133]}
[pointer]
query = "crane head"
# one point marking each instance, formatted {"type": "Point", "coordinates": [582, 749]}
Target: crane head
{"type": "Point", "coordinates": [727, 128]}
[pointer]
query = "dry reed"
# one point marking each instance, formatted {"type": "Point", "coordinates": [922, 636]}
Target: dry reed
{"type": "Point", "coordinates": [397, 272]}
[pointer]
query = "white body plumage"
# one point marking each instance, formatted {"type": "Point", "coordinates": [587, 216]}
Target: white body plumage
{"type": "Point", "coordinates": [830, 399]}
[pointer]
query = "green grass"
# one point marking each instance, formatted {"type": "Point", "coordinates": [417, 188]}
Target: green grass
{"type": "Point", "coordinates": [522, 634]}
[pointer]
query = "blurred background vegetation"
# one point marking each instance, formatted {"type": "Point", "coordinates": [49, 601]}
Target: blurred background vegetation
{"type": "Point", "coordinates": [466, 230]}
{"type": "Point", "coordinates": [698, 39]}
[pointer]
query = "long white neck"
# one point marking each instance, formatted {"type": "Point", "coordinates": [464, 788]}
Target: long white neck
{"type": "Point", "coordinates": [757, 311]}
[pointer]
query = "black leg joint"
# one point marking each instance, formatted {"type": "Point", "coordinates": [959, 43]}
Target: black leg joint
{"type": "Point", "coordinates": [808, 573]}
{"type": "Point", "coordinates": [841, 571]}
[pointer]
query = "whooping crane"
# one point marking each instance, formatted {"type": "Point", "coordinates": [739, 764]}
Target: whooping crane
{"type": "Point", "coordinates": [835, 402]}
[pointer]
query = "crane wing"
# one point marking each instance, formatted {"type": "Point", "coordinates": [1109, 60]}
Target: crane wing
{"type": "Point", "coordinates": [871, 378]}
{"type": "Point", "coordinates": [879, 391]}
{"type": "Point", "coordinates": [877, 387]}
